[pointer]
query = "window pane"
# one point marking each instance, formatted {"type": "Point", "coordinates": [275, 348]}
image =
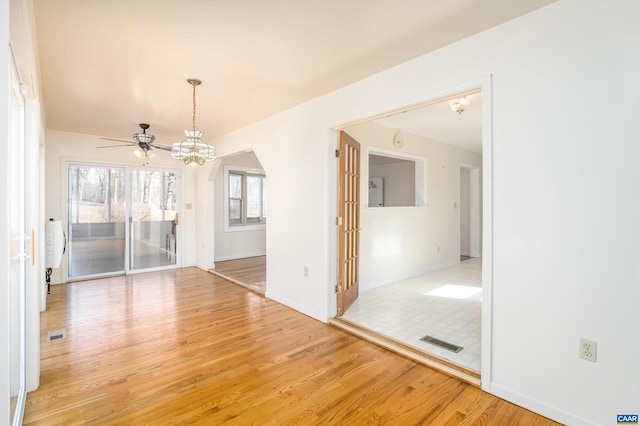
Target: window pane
{"type": "Point", "coordinates": [90, 194]}
{"type": "Point", "coordinates": [254, 198]}
{"type": "Point", "coordinates": [235, 211]}
{"type": "Point", "coordinates": [235, 186]}
{"type": "Point", "coordinates": [117, 196]}
{"type": "Point", "coordinates": [96, 220]}
{"type": "Point", "coordinates": [73, 195]}
{"type": "Point", "coordinates": [169, 202]}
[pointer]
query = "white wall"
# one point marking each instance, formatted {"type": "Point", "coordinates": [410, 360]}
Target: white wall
{"type": "Point", "coordinates": [5, 229]}
{"type": "Point", "coordinates": [295, 161]}
{"type": "Point", "coordinates": [401, 242]}
{"type": "Point", "coordinates": [465, 212]}
{"type": "Point", "coordinates": [17, 22]}
{"type": "Point", "coordinates": [64, 147]}
{"type": "Point", "coordinates": [565, 234]}
{"type": "Point", "coordinates": [236, 244]}
{"type": "Point", "coordinates": [399, 187]}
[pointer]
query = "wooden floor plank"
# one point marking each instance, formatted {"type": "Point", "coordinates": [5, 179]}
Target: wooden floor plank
{"type": "Point", "coordinates": [187, 347]}
{"type": "Point", "coordinates": [250, 272]}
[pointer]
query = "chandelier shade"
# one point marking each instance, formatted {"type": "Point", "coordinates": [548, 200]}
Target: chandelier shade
{"type": "Point", "coordinates": [193, 150]}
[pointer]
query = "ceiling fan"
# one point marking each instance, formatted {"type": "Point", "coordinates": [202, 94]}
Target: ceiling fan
{"type": "Point", "coordinates": [145, 148]}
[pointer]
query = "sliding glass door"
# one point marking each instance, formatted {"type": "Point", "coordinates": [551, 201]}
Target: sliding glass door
{"type": "Point", "coordinates": [96, 220]}
{"type": "Point", "coordinates": [153, 219]}
{"type": "Point", "coordinates": [120, 220]}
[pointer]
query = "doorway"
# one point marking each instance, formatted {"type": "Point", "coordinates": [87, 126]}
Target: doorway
{"type": "Point", "coordinates": [240, 185]}
{"type": "Point", "coordinates": [416, 248]}
{"type": "Point", "coordinates": [120, 220]}
{"type": "Point", "coordinates": [470, 212]}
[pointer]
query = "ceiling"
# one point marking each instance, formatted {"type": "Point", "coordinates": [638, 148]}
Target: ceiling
{"type": "Point", "coordinates": [108, 65]}
{"type": "Point", "coordinates": [440, 123]}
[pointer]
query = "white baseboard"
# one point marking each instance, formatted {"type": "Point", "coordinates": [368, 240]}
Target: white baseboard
{"type": "Point", "coordinates": [239, 256]}
{"type": "Point", "coordinates": [290, 304]}
{"type": "Point", "coordinates": [539, 407]}
{"type": "Point", "coordinates": [200, 266]}
{"type": "Point", "coordinates": [426, 270]}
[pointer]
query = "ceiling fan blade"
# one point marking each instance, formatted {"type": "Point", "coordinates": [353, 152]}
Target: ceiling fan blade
{"type": "Point", "coordinates": [162, 147]}
{"type": "Point", "coordinates": [116, 146]}
{"type": "Point", "coordinates": [119, 140]}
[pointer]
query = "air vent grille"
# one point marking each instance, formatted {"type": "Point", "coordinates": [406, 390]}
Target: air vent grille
{"type": "Point", "coordinates": [56, 335]}
{"type": "Point", "coordinates": [442, 344]}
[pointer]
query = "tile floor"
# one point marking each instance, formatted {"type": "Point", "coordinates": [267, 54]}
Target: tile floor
{"type": "Point", "coordinates": [444, 304]}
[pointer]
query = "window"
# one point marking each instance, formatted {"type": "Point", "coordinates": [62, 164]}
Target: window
{"type": "Point", "coordinates": [256, 212]}
{"type": "Point", "coordinates": [245, 199]}
{"type": "Point", "coordinates": [235, 199]}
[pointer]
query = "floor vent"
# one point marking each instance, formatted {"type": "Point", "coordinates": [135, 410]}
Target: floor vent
{"type": "Point", "coordinates": [442, 344]}
{"type": "Point", "coordinates": [56, 335]}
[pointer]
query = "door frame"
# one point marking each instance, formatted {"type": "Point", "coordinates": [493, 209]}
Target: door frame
{"type": "Point", "coordinates": [485, 86]}
{"type": "Point", "coordinates": [475, 204]}
{"type": "Point", "coordinates": [64, 201]}
{"type": "Point", "coordinates": [19, 255]}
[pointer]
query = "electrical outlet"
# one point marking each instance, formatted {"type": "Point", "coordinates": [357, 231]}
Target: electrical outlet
{"type": "Point", "coordinates": [306, 271]}
{"type": "Point", "coordinates": [588, 350]}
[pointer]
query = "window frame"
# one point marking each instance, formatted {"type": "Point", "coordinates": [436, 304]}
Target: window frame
{"type": "Point", "coordinates": [420, 176]}
{"type": "Point", "coordinates": [244, 172]}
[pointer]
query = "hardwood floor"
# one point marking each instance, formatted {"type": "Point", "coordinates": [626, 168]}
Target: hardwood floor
{"type": "Point", "coordinates": [185, 346]}
{"type": "Point", "coordinates": [250, 272]}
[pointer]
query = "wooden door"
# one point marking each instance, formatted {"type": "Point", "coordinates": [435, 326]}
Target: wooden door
{"type": "Point", "coordinates": [348, 222]}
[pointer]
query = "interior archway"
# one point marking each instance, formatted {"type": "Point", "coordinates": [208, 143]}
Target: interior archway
{"type": "Point", "coordinates": [240, 225]}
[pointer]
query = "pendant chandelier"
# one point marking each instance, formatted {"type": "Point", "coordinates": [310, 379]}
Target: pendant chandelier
{"type": "Point", "coordinates": [193, 150]}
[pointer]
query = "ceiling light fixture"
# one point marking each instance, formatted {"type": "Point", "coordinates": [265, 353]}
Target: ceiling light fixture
{"type": "Point", "coordinates": [144, 153]}
{"type": "Point", "coordinates": [459, 104]}
{"type": "Point", "coordinates": [143, 142]}
{"type": "Point", "coordinates": [143, 137]}
{"type": "Point", "coordinates": [192, 150]}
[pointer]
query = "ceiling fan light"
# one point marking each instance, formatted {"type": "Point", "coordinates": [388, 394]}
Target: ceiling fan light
{"type": "Point", "coordinates": [139, 152]}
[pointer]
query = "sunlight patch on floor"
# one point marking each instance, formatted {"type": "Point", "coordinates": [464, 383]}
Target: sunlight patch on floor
{"type": "Point", "coordinates": [454, 291]}
{"type": "Point", "coordinates": [445, 304]}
